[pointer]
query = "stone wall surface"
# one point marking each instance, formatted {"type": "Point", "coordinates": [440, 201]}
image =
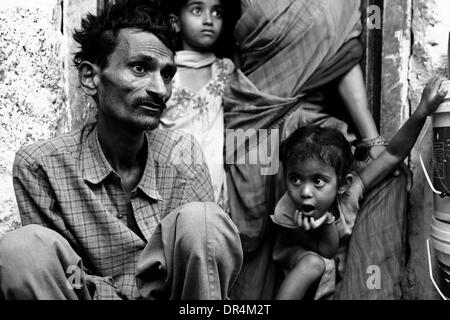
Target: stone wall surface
{"type": "Point", "coordinates": [32, 103]}
{"type": "Point", "coordinates": [430, 29]}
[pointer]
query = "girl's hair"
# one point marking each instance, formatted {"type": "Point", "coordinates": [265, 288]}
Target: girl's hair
{"type": "Point", "coordinates": [326, 145]}
{"type": "Point", "coordinates": [231, 10]}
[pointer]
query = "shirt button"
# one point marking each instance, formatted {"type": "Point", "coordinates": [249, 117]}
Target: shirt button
{"type": "Point", "coordinates": [120, 216]}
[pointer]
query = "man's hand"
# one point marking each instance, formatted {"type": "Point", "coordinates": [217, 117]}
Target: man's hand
{"type": "Point", "coordinates": [308, 222]}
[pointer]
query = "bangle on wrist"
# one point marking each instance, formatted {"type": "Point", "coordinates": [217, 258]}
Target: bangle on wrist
{"type": "Point", "coordinates": [362, 147]}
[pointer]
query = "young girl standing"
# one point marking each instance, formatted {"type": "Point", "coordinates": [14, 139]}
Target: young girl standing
{"type": "Point", "coordinates": [323, 193]}
{"type": "Point", "coordinates": [195, 106]}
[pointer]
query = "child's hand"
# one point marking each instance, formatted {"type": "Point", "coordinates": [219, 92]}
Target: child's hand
{"type": "Point", "coordinates": [308, 222]}
{"type": "Point", "coordinates": [432, 95]}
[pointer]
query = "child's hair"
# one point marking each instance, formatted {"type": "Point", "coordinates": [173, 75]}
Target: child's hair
{"type": "Point", "coordinates": [231, 12]}
{"type": "Point", "coordinates": [326, 145]}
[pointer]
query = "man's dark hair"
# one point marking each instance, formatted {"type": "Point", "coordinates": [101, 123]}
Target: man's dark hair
{"type": "Point", "coordinates": [97, 37]}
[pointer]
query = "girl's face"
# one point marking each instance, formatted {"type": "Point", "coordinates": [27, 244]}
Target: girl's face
{"type": "Point", "coordinates": [312, 185]}
{"type": "Point", "coordinates": [200, 24]}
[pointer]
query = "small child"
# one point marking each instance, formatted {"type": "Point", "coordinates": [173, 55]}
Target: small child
{"type": "Point", "coordinates": [195, 106]}
{"type": "Point", "coordinates": [323, 192]}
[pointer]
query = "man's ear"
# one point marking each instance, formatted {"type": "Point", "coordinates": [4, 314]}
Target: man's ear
{"type": "Point", "coordinates": [345, 184]}
{"type": "Point", "coordinates": [175, 22]}
{"type": "Point", "coordinates": [89, 76]}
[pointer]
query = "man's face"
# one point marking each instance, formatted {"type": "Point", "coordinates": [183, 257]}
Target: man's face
{"type": "Point", "coordinates": [137, 81]}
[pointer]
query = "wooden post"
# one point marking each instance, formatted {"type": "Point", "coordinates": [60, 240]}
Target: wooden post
{"type": "Point", "coordinates": [371, 64]}
{"type": "Point", "coordinates": [448, 57]}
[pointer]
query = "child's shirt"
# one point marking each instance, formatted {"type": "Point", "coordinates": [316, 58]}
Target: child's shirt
{"type": "Point", "coordinates": [201, 113]}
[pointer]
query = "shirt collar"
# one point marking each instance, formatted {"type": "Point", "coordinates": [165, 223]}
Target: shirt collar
{"type": "Point", "coordinates": [95, 167]}
{"type": "Point", "coordinates": [285, 206]}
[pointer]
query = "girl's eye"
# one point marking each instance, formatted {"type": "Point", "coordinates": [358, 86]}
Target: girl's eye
{"type": "Point", "coordinates": [318, 182]}
{"type": "Point", "coordinates": [217, 14]}
{"type": "Point", "coordinates": [196, 10]}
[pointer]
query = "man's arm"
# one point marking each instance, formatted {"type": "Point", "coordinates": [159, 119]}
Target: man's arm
{"type": "Point", "coordinates": [202, 188]}
{"type": "Point", "coordinates": [196, 171]}
{"type": "Point", "coordinates": [35, 197]}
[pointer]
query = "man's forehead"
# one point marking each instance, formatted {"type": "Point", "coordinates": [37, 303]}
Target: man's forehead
{"type": "Point", "coordinates": [138, 42]}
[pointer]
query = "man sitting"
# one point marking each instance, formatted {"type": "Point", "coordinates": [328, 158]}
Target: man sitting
{"type": "Point", "coordinates": [119, 209]}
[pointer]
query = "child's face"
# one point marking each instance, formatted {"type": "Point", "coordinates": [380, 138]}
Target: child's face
{"type": "Point", "coordinates": [200, 23]}
{"type": "Point", "coordinates": [312, 186]}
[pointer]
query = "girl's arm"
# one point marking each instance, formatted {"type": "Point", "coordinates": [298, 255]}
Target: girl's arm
{"type": "Point", "coordinates": [320, 236]}
{"type": "Point", "coordinates": [401, 144]}
{"type": "Point", "coordinates": [327, 240]}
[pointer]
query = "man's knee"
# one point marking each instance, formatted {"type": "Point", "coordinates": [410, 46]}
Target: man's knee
{"type": "Point", "coordinates": [201, 222]}
{"type": "Point", "coordinates": [28, 247]}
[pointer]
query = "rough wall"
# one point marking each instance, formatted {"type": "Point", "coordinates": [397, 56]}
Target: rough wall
{"type": "Point", "coordinates": [430, 33]}
{"type": "Point", "coordinates": [38, 82]}
{"type": "Point", "coordinates": [32, 103]}
{"type": "Point", "coordinates": [415, 40]}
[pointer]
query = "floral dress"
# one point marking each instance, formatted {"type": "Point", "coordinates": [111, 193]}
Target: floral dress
{"type": "Point", "coordinates": [201, 115]}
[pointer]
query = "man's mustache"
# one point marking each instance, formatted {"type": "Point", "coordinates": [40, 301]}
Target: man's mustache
{"type": "Point", "coordinates": [153, 102]}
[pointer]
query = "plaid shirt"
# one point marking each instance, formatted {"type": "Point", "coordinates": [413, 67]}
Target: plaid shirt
{"type": "Point", "coordinates": [66, 184]}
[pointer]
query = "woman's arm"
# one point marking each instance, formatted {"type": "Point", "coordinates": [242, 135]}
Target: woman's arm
{"type": "Point", "coordinates": [403, 141]}
{"type": "Point", "coordinates": [353, 91]}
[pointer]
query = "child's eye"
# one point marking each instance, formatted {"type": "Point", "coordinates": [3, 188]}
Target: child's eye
{"type": "Point", "coordinates": [196, 10]}
{"type": "Point", "coordinates": [319, 182]}
{"type": "Point", "coordinates": [295, 181]}
{"type": "Point", "coordinates": [217, 14]}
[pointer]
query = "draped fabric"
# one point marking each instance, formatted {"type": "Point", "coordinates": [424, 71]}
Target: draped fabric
{"type": "Point", "coordinates": [288, 48]}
